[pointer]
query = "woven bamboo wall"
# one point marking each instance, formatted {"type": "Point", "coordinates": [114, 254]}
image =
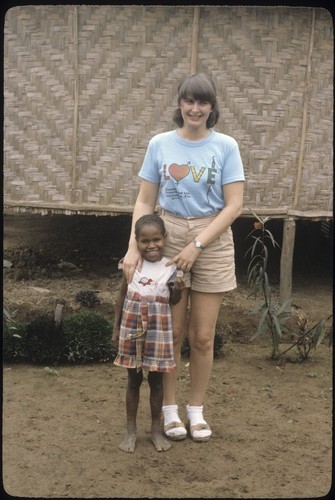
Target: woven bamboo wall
{"type": "Point", "coordinates": [87, 86]}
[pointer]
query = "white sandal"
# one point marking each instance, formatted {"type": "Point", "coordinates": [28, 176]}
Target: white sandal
{"type": "Point", "coordinates": [200, 432]}
{"type": "Point", "coordinates": [172, 435]}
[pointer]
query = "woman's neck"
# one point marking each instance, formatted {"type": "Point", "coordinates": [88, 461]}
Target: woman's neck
{"type": "Point", "coordinates": [191, 134]}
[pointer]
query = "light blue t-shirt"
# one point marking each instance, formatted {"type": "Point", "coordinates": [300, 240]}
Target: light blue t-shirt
{"type": "Point", "coordinates": [191, 173]}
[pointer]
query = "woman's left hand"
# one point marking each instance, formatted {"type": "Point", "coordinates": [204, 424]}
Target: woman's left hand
{"type": "Point", "coordinates": [185, 259]}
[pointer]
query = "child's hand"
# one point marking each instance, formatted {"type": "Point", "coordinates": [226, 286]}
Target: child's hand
{"type": "Point", "coordinates": [115, 337]}
{"type": "Point", "coordinates": [179, 284]}
{"type": "Point", "coordinates": [177, 287]}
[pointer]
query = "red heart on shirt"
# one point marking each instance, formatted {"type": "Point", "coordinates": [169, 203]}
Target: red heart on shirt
{"type": "Point", "coordinates": [178, 172]}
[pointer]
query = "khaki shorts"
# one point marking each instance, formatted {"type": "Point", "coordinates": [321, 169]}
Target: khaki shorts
{"type": "Point", "coordinates": [214, 269]}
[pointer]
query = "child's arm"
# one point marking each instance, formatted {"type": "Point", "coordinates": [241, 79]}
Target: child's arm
{"type": "Point", "coordinates": [176, 288]}
{"type": "Point", "coordinates": [118, 312]}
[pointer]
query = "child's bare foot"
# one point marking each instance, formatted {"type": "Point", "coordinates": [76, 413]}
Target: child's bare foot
{"type": "Point", "coordinates": [128, 444]}
{"type": "Point", "coordinates": [159, 441]}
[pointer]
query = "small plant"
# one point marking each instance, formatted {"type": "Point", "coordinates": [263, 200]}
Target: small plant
{"type": "Point", "coordinates": [8, 320]}
{"type": "Point", "coordinates": [13, 336]}
{"type": "Point", "coordinates": [14, 343]}
{"type": "Point", "coordinates": [87, 298]}
{"type": "Point", "coordinates": [308, 338]}
{"type": "Point", "coordinates": [272, 315]}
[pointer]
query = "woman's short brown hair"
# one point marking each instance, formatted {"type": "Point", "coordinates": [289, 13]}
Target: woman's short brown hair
{"type": "Point", "coordinates": [200, 87]}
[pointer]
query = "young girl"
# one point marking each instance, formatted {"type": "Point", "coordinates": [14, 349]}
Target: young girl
{"type": "Point", "coordinates": [143, 328]}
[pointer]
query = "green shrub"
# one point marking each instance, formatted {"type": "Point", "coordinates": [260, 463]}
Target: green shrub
{"type": "Point", "coordinates": [87, 337]}
{"type": "Point", "coordinates": [82, 337]}
{"type": "Point", "coordinates": [44, 340]}
{"type": "Point", "coordinates": [14, 343]}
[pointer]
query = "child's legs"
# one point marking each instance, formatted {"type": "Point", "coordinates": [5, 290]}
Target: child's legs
{"type": "Point", "coordinates": [135, 380]}
{"type": "Point", "coordinates": [155, 380]}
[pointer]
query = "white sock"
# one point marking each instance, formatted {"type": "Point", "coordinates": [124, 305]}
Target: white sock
{"type": "Point", "coordinates": [195, 416]}
{"type": "Point", "coordinates": [170, 414]}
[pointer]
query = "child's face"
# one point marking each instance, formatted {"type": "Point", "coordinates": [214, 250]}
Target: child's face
{"type": "Point", "coordinates": [151, 242]}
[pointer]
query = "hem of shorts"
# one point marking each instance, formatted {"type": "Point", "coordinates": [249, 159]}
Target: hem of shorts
{"type": "Point", "coordinates": [149, 368]}
{"type": "Point", "coordinates": [227, 288]}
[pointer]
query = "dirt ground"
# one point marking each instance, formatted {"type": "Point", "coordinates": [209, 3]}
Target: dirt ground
{"type": "Point", "coordinates": [271, 423]}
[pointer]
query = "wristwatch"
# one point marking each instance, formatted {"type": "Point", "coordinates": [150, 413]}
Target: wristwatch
{"type": "Point", "coordinates": [198, 244]}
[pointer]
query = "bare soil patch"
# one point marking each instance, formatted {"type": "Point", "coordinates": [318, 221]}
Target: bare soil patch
{"type": "Point", "coordinates": [272, 423]}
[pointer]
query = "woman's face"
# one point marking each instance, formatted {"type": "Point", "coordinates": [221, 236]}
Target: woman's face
{"type": "Point", "coordinates": [194, 112]}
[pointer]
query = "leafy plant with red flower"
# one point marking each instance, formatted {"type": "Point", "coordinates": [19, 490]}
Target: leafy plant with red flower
{"type": "Point", "coordinates": [272, 315]}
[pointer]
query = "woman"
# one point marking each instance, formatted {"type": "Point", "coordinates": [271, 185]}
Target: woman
{"type": "Point", "coordinates": [196, 175]}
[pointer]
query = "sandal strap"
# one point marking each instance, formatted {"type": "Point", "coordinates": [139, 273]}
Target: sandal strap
{"type": "Point", "coordinates": [200, 427]}
{"type": "Point", "coordinates": [173, 425]}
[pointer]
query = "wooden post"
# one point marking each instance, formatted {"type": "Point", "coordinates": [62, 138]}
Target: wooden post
{"type": "Point", "coordinates": [58, 314]}
{"type": "Point", "coordinates": [306, 105]}
{"type": "Point", "coordinates": [195, 32]}
{"type": "Point", "coordinates": [286, 260]}
{"type": "Point", "coordinates": [76, 105]}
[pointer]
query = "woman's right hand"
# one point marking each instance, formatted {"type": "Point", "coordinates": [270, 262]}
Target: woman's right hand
{"type": "Point", "coordinates": [130, 262]}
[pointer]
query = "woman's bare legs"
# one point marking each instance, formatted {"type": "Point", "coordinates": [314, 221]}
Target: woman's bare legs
{"type": "Point", "coordinates": [201, 331]}
{"type": "Point", "coordinates": [203, 317]}
{"type": "Point", "coordinates": [179, 321]}
{"type": "Point", "coordinates": [173, 427]}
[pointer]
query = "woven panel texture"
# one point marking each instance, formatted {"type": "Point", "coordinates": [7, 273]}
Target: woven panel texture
{"type": "Point", "coordinates": [86, 87]}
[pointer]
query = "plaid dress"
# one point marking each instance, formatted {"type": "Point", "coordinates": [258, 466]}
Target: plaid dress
{"type": "Point", "coordinates": [146, 327]}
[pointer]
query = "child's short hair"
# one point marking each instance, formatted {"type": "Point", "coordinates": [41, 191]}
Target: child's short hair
{"type": "Point", "coordinates": [149, 219]}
